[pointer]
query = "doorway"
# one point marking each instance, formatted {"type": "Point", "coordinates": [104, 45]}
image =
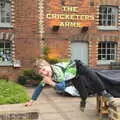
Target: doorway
{"type": "Point", "coordinates": [79, 50]}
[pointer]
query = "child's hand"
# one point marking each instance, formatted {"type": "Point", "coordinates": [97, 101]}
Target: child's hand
{"type": "Point", "coordinates": [48, 81]}
{"type": "Point", "coordinates": [29, 103]}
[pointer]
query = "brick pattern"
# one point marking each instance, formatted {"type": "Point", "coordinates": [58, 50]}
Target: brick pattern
{"type": "Point", "coordinates": [64, 33]}
{"type": "Point", "coordinates": [97, 15]}
{"type": "Point", "coordinates": [106, 2]}
{"type": "Point", "coordinates": [12, 13]}
{"type": "Point", "coordinates": [41, 25]}
{"type": "Point", "coordinates": [41, 17]}
{"type": "Point", "coordinates": [80, 37]}
{"type": "Point", "coordinates": [27, 39]}
{"type": "Point", "coordinates": [119, 17]}
{"type": "Point", "coordinates": [69, 49]}
{"type": "Point", "coordinates": [110, 2]}
{"type": "Point", "coordinates": [102, 35]}
{"type": "Point", "coordinates": [24, 36]}
{"type": "Point", "coordinates": [118, 51]}
{"type": "Point", "coordinates": [8, 34]}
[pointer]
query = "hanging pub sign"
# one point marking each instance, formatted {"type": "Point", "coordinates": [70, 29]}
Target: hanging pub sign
{"type": "Point", "coordinates": [70, 18]}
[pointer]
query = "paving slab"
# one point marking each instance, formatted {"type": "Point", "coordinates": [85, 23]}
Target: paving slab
{"type": "Point", "coordinates": [52, 106]}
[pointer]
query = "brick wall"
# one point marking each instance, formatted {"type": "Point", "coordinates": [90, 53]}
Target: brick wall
{"type": "Point", "coordinates": [59, 40]}
{"type": "Point", "coordinates": [26, 31]}
{"type": "Point", "coordinates": [26, 37]}
{"type": "Point", "coordinates": [64, 35]}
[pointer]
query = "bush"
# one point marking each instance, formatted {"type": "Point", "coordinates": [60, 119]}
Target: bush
{"type": "Point", "coordinates": [29, 76]}
{"type": "Point", "coordinates": [12, 93]}
{"type": "Point", "coordinates": [22, 80]}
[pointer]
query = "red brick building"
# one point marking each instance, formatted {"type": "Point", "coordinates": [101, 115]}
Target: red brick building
{"type": "Point", "coordinates": [85, 29]}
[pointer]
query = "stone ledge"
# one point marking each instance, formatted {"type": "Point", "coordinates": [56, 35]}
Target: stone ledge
{"type": "Point", "coordinates": [18, 112]}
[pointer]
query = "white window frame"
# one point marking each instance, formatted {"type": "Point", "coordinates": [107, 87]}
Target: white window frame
{"type": "Point", "coordinates": [103, 52]}
{"type": "Point", "coordinates": [108, 19]}
{"type": "Point", "coordinates": [4, 11]}
{"type": "Point", "coordinates": [3, 55]}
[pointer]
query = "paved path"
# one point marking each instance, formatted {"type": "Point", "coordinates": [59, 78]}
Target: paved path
{"type": "Point", "coordinates": [52, 106]}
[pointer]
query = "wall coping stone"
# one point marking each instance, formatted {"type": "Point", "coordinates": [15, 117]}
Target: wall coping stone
{"type": "Point", "coordinates": [18, 112]}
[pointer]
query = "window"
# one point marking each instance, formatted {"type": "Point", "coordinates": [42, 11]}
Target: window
{"type": "Point", "coordinates": [5, 52]}
{"type": "Point", "coordinates": [106, 52]}
{"type": "Point", "coordinates": [108, 15]}
{"type": "Point", "coordinates": [5, 13]}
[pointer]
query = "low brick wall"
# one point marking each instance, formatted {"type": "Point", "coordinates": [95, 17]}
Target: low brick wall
{"type": "Point", "coordinates": [18, 112]}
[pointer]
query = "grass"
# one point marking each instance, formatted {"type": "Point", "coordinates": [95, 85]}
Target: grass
{"type": "Point", "coordinates": [12, 93]}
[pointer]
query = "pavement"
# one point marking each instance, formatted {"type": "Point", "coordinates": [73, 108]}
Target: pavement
{"type": "Point", "coordinates": [52, 106]}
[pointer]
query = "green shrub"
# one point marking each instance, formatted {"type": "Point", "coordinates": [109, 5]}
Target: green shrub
{"type": "Point", "coordinates": [12, 93]}
{"type": "Point", "coordinates": [22, 80]}
{"type": "Point", "coordinates": [31, 74]}
{"type": "Point", "coordinates": [28, 77]}
{"type": "Point", "coordinates": [28, 73]}
{"type": "Point", "coordinates": [46, 51]}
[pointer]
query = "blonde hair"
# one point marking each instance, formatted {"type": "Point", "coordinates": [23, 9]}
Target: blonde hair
{"type": "Point", "coordinates": [40, 63]}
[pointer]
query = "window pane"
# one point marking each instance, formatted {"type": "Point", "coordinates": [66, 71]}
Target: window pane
{"type": "Point", "coordinates": [108, 57]}
{"type": "Point", "coordinates": [108, 51]}
{"type": "Point", "coordinates": [103, 45]}
{"type": "Point", "coordinates": [99, 57]}
{"type": "Point", "coordinates": [104, 9]}
{"type": "Point", "coordinates": [2, 20]}
{"type": "Point", "coordinates": [99, 45]}
{"type": "Point", "coordinates": [103, 51]}
{"type": "Point", "coordinates": [108, 45]}
{"type": "Point", "coordinates": [103, 57]}
{"type": "Point", "coordinates": [1, 45]}
{"type": "Point", "coordinates": [109, 10]}
{"type": "Point", "coordinates": [112, 45]}
{"type": "Point", "coordinates": [112, 51]}
{"type": "Point", "coordinates": [7, 45]}
{"type": "Point", "coordinates": [109, 17]}
{"type": "Point", "coordinates": [7, 19]}
{"type": "Point", "coordinates": [112, 57]}
{"type": "Point", "coordinates": [99, 51]}
{"type": "Point", "coordinates": [100, 22]}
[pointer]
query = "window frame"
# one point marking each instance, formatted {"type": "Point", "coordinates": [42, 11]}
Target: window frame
{"type": "Point", "coordinates": [107, 14]}
{"type": "Point", "coordinates": [6, 10]}
{"type": "Point", "coordinates": [6, 63]}
{"type": "Point", "coordinates": [107, 48]}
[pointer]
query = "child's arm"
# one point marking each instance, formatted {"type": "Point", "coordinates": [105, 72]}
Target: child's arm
{"type": "Point", "coordinates": [38, 90]}
{"type": "Point", "coordinates": [36, 93]}
{"type": "Point", "coordinates": [46, 80]}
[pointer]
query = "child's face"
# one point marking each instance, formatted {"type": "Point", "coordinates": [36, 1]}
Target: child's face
{"type": "Point", "coordinates": [44, 71]}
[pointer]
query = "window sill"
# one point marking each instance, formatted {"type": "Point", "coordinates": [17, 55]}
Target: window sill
{"type": "Point", "coordinates": [107, 28]}
{"type": "Point", "coordinates": [6, 64]}
{"type": "Point", "coordinates": [15, 64]}
{"type": "Point", "coordinates": [6, 26]}
{"type": "Point", "coordinates": [104, 62]}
